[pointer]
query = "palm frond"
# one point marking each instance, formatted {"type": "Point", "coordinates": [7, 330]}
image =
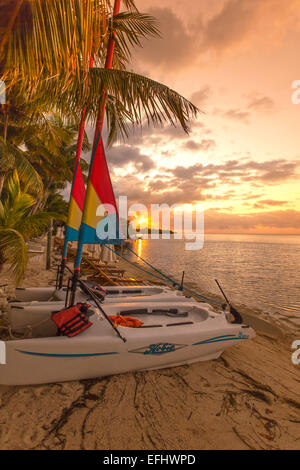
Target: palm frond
{"type": "Point", "coordinates": [130, 5]}
{"type": "Point", "coordinates": [131, 28]}
{"type": "Point", "coordinates": [34, 225]}
{"type": "Point", "coordinates": [28, 174]}
{"type": "Point", "coordinates": [48, 36]}
{"type": "Point", "coordinates": [14, 250]}
{"type": "Point", "coordinates": [140, 96]}
{"type": "Point", "coordinates": [12, 157]}
{"type": "Point", "coordinates": [119, 120]}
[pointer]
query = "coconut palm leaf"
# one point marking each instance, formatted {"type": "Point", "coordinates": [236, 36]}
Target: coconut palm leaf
{"type": "Point", "coordinates": [119, 120]}
{"type": "Point", "coordinates": [34, 225]}
{"type": "Point", "coordinates": [51, 35]}
{"type": "Point", "coordinates": [12, 157]}
{"type": "Point", "coordinates": [130, 5]}
{"type": "Point", "coordinates": [131, 28]}
{"type": "Point", "coordinates": [13, 249]}
{"type": "Point", "coordinates": [28, 174]}
{"type": "Point", "coordinates": [40, 38]}
{"type": "Point", "coordinates": [140, 96]}
{"type": "Point", "coordinates": [18, 225]}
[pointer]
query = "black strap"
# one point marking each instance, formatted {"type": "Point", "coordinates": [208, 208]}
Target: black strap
{"type": "Point", "coordinates": [70, 326]}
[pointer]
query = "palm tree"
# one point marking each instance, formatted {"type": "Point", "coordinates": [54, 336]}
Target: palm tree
{"type": "Point", "coordinates": [54, 160]}
{"type": "Point", "coordinates": [12, 157]}
{"type": "Point", "coordinates": [45, 51]}
{"type": "Point", "coordinates": [18, 226]}
{"type": "Point", "coordinates": [45, 37]}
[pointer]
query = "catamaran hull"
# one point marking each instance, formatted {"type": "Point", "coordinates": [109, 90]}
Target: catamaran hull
{"type": "Point", "coordinates": [28, 294]}
{"type": "Point", "coordinates": [50, 294]}
{"type": "Point", "coordinates": [98, 351]}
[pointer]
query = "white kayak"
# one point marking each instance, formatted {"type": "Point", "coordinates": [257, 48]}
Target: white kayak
{"type": "Point", "coordinates": [50, 294]}
{"type": "Point", "coordinates": [32, 309]}
{"type": "Point", "coordinates": [172, 334]}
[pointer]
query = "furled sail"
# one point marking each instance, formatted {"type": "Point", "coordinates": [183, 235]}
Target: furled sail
{"type": "Point", "coordinates": [100, 199]}
{"type": "Point", "coordinates": [100, 219]}
{"type": "Point", "coordinates": [76, 204]}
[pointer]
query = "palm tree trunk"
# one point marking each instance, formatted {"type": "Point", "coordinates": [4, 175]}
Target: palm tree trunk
{"type": "Point", "coordinates": [42, 201]}
{"type": "Point", "coordinates": [2, 177]}
{"type": "Point", "coordinates": [2, 174]}
{"type": "Point", "coordinates": [5, 123]}
{"type": "Point", "coordinates": [49, 246]}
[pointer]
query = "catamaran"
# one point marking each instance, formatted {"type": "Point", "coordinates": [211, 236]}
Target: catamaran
{"type": "Point", "coordinates": [166, 337]}
{"type": "Point", "coordinates": [84, 333]}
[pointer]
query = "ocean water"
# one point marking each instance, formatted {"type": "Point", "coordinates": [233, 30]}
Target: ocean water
{"type": "Point", "coordinates": [258, 271]}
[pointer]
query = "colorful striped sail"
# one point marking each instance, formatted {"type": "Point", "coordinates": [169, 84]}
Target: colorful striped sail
{"type": "Point", "coordinates": [100, 209]}
{"type": "Point", "coordinates": [100, 218]}
{"type": "Point", "coordinates": [77, 195]}
{"type": "Point", "coordinates": [75, 206]}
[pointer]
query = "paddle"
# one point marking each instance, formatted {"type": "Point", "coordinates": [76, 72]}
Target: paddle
{"type": "Point", "coordinates": [90, 292]}
{"type": "Point", "coordinates": [180, 288]}
{"type": "Point", "coordinates": [236, 315]}
{"type": "Point", "coordinates": [97, 302]}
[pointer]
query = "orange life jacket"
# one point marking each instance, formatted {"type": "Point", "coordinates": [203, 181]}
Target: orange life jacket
{"type": "Point", "coordinates": [72, 321]}
{"type": "Point", "coordinates": [130, 322]}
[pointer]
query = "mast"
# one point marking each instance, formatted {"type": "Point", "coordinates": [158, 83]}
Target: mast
{"type": "Point", "coordinates": [77, 196]}
{"type": "Point", "coordinates": [97, 192]}
{"type": "Point", "coordinates": [78, 191]}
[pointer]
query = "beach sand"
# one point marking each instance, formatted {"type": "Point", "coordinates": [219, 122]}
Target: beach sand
{"type": "Point", "coordinates": [247, 399]}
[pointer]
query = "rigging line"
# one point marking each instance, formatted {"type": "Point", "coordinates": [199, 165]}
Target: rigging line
{"type": "Point", "coordinates": [153, 267]}
{"type": "Point", "coordinates": [166, 278]}
{"type": "Point", "coordinates": [135, 265]}
{"type": "Point", "coordinates": [175, 283]}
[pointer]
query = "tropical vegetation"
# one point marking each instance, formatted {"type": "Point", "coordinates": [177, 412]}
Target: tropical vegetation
{"type": "Point", "coordinates": [45, 52]}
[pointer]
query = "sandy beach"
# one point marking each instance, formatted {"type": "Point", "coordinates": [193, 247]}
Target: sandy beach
{"type": "Point", "coordinates": [247, 399]}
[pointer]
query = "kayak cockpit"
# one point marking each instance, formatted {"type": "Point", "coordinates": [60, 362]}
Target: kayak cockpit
{"type": "Point", "coordinates": [37, 323]}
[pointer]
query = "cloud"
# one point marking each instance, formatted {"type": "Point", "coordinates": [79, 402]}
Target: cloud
{"type": "Point", "coordinates": [229, 26]}
{"type": "Point", "coordinates": [263, 222]}
{"type": "Point", "coordinates": [199, 182]}
{"type": "Point", "coordinates": [204, 145]}
{"type": "Point", "coordinates": [272, 170]}
{"type": "Point", "coordinates": [120, 156]}
{"type": "Point", "coordinates": [238, 115]}
{"type": "Point", "coordinates": [262, 104]}
{"type": "Point", "coordinates": [177, 46]}
{"type": "Point", "coordinates": [269, 202]}
{"type": "Point", "coordinates": [149, 136]}
{"type": "Point", "coordinates": [256, 103]}
{"type": "Point", "coordinates": [241, 21]}
{"type": "Point", "coordinates": [200, 97]}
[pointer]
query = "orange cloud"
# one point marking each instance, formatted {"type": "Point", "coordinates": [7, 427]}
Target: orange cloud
{"type": "Point", "coordinates": [276, 222]}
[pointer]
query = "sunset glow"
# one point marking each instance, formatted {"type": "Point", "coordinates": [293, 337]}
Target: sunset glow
{"type": "Point", "coordinates": [237, 61]}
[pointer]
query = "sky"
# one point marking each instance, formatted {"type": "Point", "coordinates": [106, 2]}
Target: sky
{"type": "Point", "coordinates": [236, 60]}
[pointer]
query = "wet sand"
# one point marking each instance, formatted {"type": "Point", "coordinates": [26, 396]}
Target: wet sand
{"type": "Point", "coordinates": [247, 399]}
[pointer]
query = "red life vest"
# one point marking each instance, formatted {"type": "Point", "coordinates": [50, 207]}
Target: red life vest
{"type": "Point", "coordinates": [130, 322]}
{"type": "Point", "coordinates": [99, 292]}
{"type": "Point", "coordinates": [72, 321]}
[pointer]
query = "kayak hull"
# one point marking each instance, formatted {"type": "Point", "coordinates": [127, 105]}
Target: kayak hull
{"type": "Point", "coordinates": [50, 294]}
{"type": "Point", "coordinates": [197, 334]}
